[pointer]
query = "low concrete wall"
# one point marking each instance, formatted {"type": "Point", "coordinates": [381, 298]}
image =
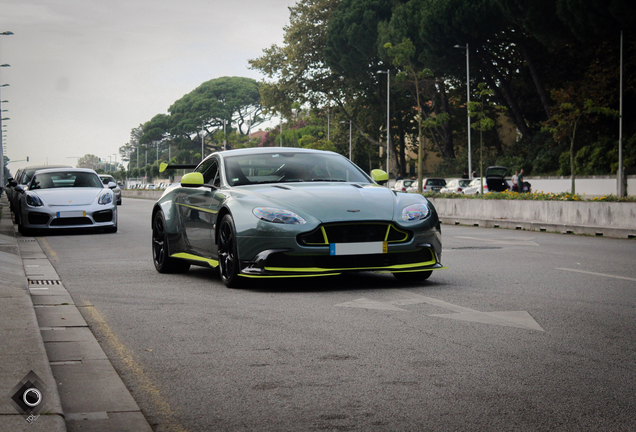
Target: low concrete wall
{"type": "Point", "coordinates": [598, 218]}
{"type": "Point", "coordinates": [594, 186]}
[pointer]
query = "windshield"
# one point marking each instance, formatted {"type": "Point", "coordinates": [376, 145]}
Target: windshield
{"type": "Point", "coordinates": [65, 180]}
{"type": "Point", "coordinates": [259, 168]}
{"type": "Point", "coordinates": [107, 179]}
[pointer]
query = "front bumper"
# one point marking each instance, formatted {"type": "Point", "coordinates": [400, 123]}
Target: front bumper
{"type": "Point", "coordinates": [54, 218]}
{"type": "Point", "coordinates": [287, 263]}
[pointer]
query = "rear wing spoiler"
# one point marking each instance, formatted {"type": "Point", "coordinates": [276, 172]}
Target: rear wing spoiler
{"type": "Point", "coordinates": [164, 166]}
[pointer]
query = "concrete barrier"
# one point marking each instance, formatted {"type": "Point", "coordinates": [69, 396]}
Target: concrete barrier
{"type": "Point", "coordinates": [609, 219]}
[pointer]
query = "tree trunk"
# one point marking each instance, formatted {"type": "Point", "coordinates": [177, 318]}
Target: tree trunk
{"type": "Point", "coordinates": [572, 156]}
{"type": "Point", "coordinates": [448, 149]}
{"type": "Point", "coordinates": [504, 86]}
{"type": "Point", "coordinates": [535, 77]}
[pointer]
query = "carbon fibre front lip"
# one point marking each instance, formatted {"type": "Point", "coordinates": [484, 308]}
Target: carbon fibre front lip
{"type": "Point", "coordinates": [260, 268]}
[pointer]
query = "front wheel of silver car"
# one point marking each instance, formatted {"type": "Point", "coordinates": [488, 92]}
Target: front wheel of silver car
{"type": "Point", "coordinates": [163, 262]}
{"type": "Point", "coordinates": [228, 253]}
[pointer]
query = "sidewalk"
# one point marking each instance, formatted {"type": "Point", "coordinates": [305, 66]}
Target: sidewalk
{"type": "Point", "coordinates": [47, 345]}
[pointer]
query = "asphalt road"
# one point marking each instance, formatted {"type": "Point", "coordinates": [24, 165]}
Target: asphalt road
{"type": "Point", "coordinates": [524, 331]}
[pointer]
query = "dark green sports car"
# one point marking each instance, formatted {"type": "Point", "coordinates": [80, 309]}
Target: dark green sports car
{"type": "Point", "coordinates": [287, 212]}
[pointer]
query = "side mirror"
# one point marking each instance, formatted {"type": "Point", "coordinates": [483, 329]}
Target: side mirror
{"type": "Point", "coordinates": [18, 188]}
{"type": "Point", "coordinates": [379, 176]}
{"type": "Point", "coordinates": [193, 179]}
{"type": "Point", "coordinates": [112, 185]}
{"type": "Point", "coordinates": [12, 183]}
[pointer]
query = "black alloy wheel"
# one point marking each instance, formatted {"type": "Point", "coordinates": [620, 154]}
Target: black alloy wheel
{"type": "Point", "coordinates": [228, 253]}
{"type": "Point", "coordinates": [163, 263]}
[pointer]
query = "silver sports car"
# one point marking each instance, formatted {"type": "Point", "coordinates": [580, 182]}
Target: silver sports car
{"type": "Point", "coordinates": [65, 198]}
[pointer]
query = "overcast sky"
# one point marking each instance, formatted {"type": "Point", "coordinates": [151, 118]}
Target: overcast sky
{"type": "Point", "coordinates": [85, 72]}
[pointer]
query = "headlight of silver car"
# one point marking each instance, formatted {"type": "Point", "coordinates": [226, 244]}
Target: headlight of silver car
{"type": "Point", "coordinates": [33, 200]}
{"type": "Point", "coordinates": [105, 198]}
{"type": "Point", "coordinates": [278, 216]}
{"type": "Point", "coordinates": [415, 212]}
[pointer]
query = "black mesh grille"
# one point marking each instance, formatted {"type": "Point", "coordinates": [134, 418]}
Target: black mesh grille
{"type": "Point", "coordinates": [71, 221]}
{"type": "Point", "coordinates": [103, 216]}
{"type": "Point", "coordinates": [38, 218]}
{"type": "Point", "coordinates": [354, 233]}
{"type": "Point", "coordinates": [348, 261]}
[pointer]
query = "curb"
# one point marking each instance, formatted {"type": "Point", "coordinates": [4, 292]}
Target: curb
{"type": "Point", "coordinates": [88, 392]}
{"type": "Point", "coordinates": [23, 348]}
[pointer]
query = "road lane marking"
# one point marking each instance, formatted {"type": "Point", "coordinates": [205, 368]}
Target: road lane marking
{"type": "Point", "coordinates": [597, 274]}
{"type": "Point", "coordinates": [47, 248]}
{"type": "Point", "coordinates": [145, 382]}
{"type": "Point", "coordinates": [518, 319]}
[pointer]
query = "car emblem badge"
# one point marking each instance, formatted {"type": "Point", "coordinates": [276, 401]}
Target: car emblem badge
{"type": "Point", "coordinates": [353, 211]}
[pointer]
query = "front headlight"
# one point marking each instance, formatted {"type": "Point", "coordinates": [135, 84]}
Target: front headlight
{"type": "Point", "coordinates": [33, 200]}
{"type": "Point", "coordinates": [105, 198]}
{"type": "Point", "coordinates": [278, 216]}
{"type": "Point", "coordinates": [415, 212]}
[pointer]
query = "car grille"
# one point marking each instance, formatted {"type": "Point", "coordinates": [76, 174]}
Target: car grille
{"type": "Point", "coordinates": [103, 216]}
{"type": "Point", "coordinates": [38, 218]}
{"type": "Point", "coordinates": [357, 232]}
{"type": "Point", "coordinates": [71, 221]}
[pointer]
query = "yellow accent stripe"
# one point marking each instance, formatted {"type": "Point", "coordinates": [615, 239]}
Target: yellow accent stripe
{"type": "Point", "coordinates": [324, 234]}
{"type": "Point", "coordinates": [319, 269]}
{"type": "Point", "coordinates": [288, 276]}
{"type": "Point", "coordinates": [146, 384]}
{"type": "Point", "coordinates": [183, 255]}
{"type": "Point", "coordinates": [198, 208]}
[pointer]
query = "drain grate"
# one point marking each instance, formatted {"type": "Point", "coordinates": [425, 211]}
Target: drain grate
{"type": "Point", "coordinates": [23, 240]}
{"type": "Point", "coordinates": [44, 282]}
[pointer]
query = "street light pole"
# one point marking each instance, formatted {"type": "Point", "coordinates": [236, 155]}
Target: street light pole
{"type": "Point", "coordinates": [349, 138]}
{"type": "Point", "coordinates": [2, 179]}
{"type": "Point", "coordinates": [388, 122]}
{"type": "Point", "coordinates": [470, 167]}
{"type": "Point", "coordinates": [619, 175]}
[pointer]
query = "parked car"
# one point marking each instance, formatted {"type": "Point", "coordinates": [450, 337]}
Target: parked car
{"type": "Point", "coordinates": [428, 185]}
{"type": "Point", "coordinates": [495, 181]}
{"type": "Point", "coordinates": [455, 186]}
{"type": "Point", "coordinates": [273, 212]}
{"type": "Point", "coordinates": [23, 180]}
{"type": "Point", "coordinates": [106, 179]}
{"type": "Point", "coordinates": [65, 198]}
{"type": "Point", "coordinates": [9, 188]}
{"type": "Point", "coordinates": [496, 178]}
{"type": "Point", "coordinates": [474, 187]}
{"type": "Point", "coordinates": [402, 185]}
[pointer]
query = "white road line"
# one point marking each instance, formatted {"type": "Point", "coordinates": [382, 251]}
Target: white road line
{"type": "Point", "coordinates": [598, 274]}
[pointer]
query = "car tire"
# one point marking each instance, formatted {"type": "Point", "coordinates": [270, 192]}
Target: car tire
{"type": "Point", "coordinates": [119, 202]}
{"type": "Point", "coordinates": [413, 276]}
{"type": "Point", "coordinates": [163, 263]}
{"type": "Point", "coordinates": [228, 253]}
{"type": "Point", "coordinates": [111, 229]}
